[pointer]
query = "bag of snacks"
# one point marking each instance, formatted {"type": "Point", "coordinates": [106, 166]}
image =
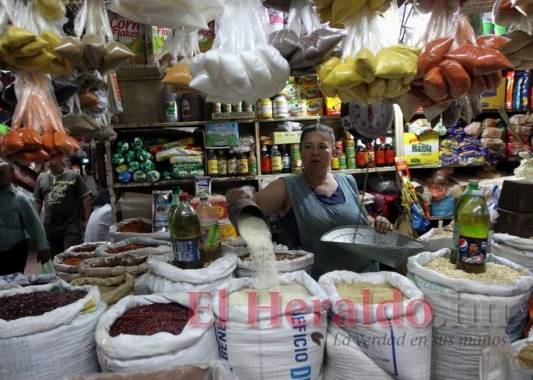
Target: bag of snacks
{"type": "Point", "coordinates": [164, 277]}
{"type": "Point", "coordinates": [471, 311]}
{"type": "Point", "coordinates": [52, 334]}
{"type": "Point", "coordinates": [262, 351]}
{"type": "Point", "coordinates": [135, 227]}
{"type": "Point", "coordinates": [377, 331]}
{"type": "Point", "coordinates": [157, 331]}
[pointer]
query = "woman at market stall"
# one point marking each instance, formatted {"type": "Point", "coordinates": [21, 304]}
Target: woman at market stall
{"type": "Point", "coordinates": [315, 202]}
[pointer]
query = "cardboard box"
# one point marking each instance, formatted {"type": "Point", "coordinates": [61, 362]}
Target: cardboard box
{"type": "Point", "coordinates": [494, 98]}
{"type": "Point", "coordinates": [298, 108]}
{"type": "Point", "coordinates": [516, 196]}
{"type": "Point", "coordinates": [332, 105]}
{"type": "Point", "coordinates": [421, 150]}
{"type": "Point", "coordinates": [291, 91]}
{"type": "Point", "coordinates": [310, 91]}
{"type": "Point", "coordinates": [315, 107]}
{"type": "Point", "coordinates": [286, 137]}
{"type": "Point", "coordinates": [221, 134]}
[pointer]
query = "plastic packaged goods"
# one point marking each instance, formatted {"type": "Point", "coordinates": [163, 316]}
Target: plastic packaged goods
{"type": "Point", "coordinates": [37, 132]}
{"type": "Point", "coordinates": [237, 68]}
{"type": "Point", "coordinates": [305, 42]}
{"type": "Point", "coordinates": [373, 66]}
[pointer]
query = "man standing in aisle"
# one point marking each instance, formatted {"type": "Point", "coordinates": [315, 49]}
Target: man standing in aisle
{"type": "Point", "coordinates": [63, 193]}
{"type": "Point", "coordinates": [18, 220]}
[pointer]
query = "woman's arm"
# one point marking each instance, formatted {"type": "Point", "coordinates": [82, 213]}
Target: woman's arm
{"type": "Point", "coordinates": [271, 200]}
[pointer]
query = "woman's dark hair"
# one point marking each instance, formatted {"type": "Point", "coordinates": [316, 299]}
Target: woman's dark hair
{"type": "Point", "coordinates": [101, 199]}
{"type": "Point", "coordinates": [318, 128]}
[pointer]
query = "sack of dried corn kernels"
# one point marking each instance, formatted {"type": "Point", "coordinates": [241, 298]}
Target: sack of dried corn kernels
{"type": "Point", "coordinates": [471, 312]}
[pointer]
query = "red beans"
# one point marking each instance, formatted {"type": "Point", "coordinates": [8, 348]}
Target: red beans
{"type": "Point", "coordinates": [36, 303]}
{"type": "Point", "coordinates": [151, 319]}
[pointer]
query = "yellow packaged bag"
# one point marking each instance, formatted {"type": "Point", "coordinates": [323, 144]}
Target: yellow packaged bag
{"type": "Point", "coordinates": [51, 9]}
{"type": "Point", "coordinates": [347, 94]}
{"type": "Point", "coordinates": [59, 66]}
{"type": "Point", "coordinates": [18, 37]}
{"type": "Point", "coordinates": [322, 4]}
{"type": "Point", "coordinates": [179, 74]}
{"type": "Point", "coordinates": [37, 62]}
{"type": "Point", "coordinates": [377, 88]}
{"type": "Point", "coordinates": [393, 88]}
{"type": "Point", "coordinates": [361, 92]}
{"type": "Point", "coordinates": [366, 66]}
{"type": "Point", "coordinates": [52, 38]}
{"type": "Point", "coordinates": [325, 67]}
{"type": "Point", "coordinates": [396, 63]}
{"type": "Point", "coordinates": [378, 5]}
{"type": "Point", "coordinates": [343, 10]}
{"type": "Point", "coordinates": [344, 74]}
{"type": "Point", "coordinates": [31, 49]}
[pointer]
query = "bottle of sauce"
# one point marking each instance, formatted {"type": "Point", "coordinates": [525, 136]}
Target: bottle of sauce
{"type": "Point", "coordinates": [471, 230]}
{"type": "Point", "coordinates": [252, 162]}
{"type": "Point", "coordinates": [264, 109]}
{"type": "Point", "coordinates": [371, 154]}
{"type": "Point", "coordinates": [389, 152]}
{"type": "Point", "coordinates": [362, 155]}
{"type": "Point", "coordinates": [286, 161]}
{"type": "Point", "coordinates": [342, 159]}
{"type": "Point", "coordinates": [349, 144]}
{"type": "Point", "coordinates": [209, 231]}
{"type": "Point", "coordinates": [334, 160]}
{"type": "Point", "coordinates": [379, 153]}
{"type": "Point", "coordinates": [185, 235]}
{"type": "Point", "coordinates": [242, 163]}
{"type": "Point", "coordinates": [212, 164]}
{"type": "Point", "coordinates": [296, 163]}
{"type": "Point", "coordinates": [232, 163]}
{"type": "Point", "coordinates": [222, 164]}
{"type": "Point", "coordinates": [266, 164]}
{"type": "Point", "coordinates": [275, 159]}
{"type": "Point", "coordinates": [280, 107]}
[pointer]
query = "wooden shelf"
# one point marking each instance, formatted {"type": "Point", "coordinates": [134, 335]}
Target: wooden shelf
{"type": "Point", "coordinates": [184, 124]}
{"type": "Point", "coordinates": [177, 182]}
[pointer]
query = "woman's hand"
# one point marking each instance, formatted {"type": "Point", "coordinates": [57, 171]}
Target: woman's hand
{"type": "Point", "coordinates": [382, 225]}
{"type": "Point", "coordinates": [233, 195]}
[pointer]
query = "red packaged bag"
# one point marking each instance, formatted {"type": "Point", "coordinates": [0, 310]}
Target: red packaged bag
{"type": "Point", "coordinates": [14, 141]}
{"type": "Point", "coordinates": [32, 139]}
{"type": "Point", "coordinates": [492, 41]}
{"type": "Point", "coordinates": [479, 85]}
{"type": "Point", "coordinates": [435, 86]}
{"type": "Point", "coordinates": [456, 77]}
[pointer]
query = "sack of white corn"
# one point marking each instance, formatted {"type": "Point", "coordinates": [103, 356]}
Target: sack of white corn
{"type": "Point", "coordinates": [164, 277]}
{"type": "Point", "coordinates": [156, 331]}
{"type": "Point", "coordinates": [286, 261]}
{"type": "Point", "coordinates": [272, 342]}
{"type": "Point", "coordinates": [514, 248]}
{"type": "Point", "coordinates": [510, 362]}
{"type": "Point", "coordinates": [380, 327]}
{"type": "Point", "coordinates": [471, 312]}
{"type": "Point", "coordinates": [438, 238]}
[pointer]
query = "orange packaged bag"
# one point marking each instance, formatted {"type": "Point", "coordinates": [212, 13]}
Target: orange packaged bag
{"type": "Point", "coordinates": [32, 140]}
{"type": "Point", "coordinates": [479, 60]}
{"type": "Point", "coordinates": [435, 86]}
{"type": "Point", "coordinates": [493, 80]}
{"type": "Point", "coordinates": [492, 41]}
{"type": "Point", "coordinates": [14, 141]}
{"type": "Point", "coordinates": [456, 77]}
{"type": "Point", "coordinates": [36, 155]}
{"type": "Point", "coordinates": [433, 54]}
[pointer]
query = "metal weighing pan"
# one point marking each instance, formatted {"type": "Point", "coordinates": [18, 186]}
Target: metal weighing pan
{"type": "Point", "coordinates": [392, 248]}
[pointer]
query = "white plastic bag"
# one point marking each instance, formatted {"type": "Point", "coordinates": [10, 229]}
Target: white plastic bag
{"type": "Point", "coordinates": [131, 353]}
{"type": "Point", "coordinates": [500, 363]}
{"type": "Point", "coordinates": [397, 339]}
{"type": "Point", "coordinates": [52, 345]}
{"type": "Point", "coordinates": [469, 316]}
{"type": "Point", "coordinates": [513, 248]}
{"type": "Point", "coordinates": [164, 277]}
{"type": "Point", "coordinates": [292, 350]}
{"type": "Point", "coordinates": [229, 73]}
{"type": "Point", "coordinates": [169, 13]}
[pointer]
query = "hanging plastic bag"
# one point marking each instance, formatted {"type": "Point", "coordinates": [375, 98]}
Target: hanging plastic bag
{"type": "Point", "coordinates": [280, 5]}
{"type": "Point", "coordinates": [94, 48]}
{"type": "Point", "coordinates": [29, 42]}
{"type": "Point", "coordinates": [241, 65]}
{"type": "Point", "coordinates": [37, 131]}
{"type": "Point", "coordinates": [169, 13]}
{"type": "Point", "coordinates": [373, 66]}
{"type": "Point", "coordinates": [305, 42]}
{"type": "Point", "coordinates": [184, 44]}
